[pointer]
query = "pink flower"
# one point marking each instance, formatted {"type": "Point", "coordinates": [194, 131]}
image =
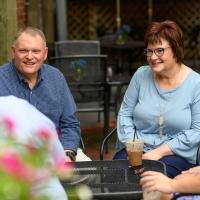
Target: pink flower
{"type": "Point", "coordinates": [31, 149]}
{"type": "Point", "coordinates": [11, 163]}
{"type": "Point", "coordinates": [63, 164]}
{"type": "Point", "coordinates": [10, 125]}
{"type": "Point", "coordinates": [64, 169]}
{"type": "Point", "coordinates": [44, 134]}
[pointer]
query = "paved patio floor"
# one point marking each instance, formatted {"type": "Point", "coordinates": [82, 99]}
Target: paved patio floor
{"type": "Point", "coordinates": [92, 134]}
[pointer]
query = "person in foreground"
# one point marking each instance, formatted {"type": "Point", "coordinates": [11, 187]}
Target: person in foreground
{"type": "Point", "coordinates": [30, 129]}
{"type": "Point", "coordinates": [162, 103]}
{"type": "Point", "coordinates": [42, 85]}
{"type": "Point", "coordinates": [187, 182]}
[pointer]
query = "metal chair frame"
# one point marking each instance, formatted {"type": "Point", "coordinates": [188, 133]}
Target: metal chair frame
{"type": "Point", "coordinates": [105, 141]}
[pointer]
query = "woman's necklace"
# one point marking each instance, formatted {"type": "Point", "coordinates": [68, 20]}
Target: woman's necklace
{"type": "Point", "coordinates": [161, 117]}
{"type": "Point", "coordinates": [162, 110]}
{"type": "Point", "coordinates": [161, 122]}
{"type": "Point", "coordinates": [169, 97]}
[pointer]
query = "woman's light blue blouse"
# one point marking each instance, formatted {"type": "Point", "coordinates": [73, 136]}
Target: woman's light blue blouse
{"type": "Point", "coordinates": [144, 102]}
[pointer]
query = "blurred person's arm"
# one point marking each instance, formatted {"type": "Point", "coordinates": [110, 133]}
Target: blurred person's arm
{"type": "Point", "coordinates": [184, 183]}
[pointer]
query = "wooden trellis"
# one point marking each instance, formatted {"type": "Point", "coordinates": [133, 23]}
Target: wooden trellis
{"type": "Point", "coordinates": [87, 19]}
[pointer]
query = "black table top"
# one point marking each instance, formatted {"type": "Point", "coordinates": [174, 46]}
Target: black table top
{"type": "Point", "coordinates": [111, 179]}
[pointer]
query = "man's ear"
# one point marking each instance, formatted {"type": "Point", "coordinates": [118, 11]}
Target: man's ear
{"type": "Point", "coordinates": [46, 53]}
{"type": "Point", "coordinates": [13, 51]}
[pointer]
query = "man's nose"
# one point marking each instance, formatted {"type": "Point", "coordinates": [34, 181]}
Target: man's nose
{"type": "Point", "coordinates": [29, 54]}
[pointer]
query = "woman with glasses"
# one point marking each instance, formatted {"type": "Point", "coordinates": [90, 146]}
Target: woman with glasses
{"type": "Point", "coordinates": [162, 103]}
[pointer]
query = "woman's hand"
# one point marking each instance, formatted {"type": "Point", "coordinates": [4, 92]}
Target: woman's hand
{"type": "Point", "coordinates": [152, 155]}
{"type": "Point", "coordinates": [157, 153]}
{"type": "Point", "coordinates": [156, 181]}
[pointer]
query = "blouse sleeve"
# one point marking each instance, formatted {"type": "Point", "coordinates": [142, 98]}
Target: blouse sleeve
{"type": "Point", "coordinates": [125, 125]}
{"type": "Point", "coordinates": [187, 141]}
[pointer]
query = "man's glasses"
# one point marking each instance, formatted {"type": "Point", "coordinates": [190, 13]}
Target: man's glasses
{"type": "Point", "coordinates": [159, 51]}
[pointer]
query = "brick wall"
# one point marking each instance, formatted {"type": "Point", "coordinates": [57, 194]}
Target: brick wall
{"type": "Point", "coordinates": [21, 13]}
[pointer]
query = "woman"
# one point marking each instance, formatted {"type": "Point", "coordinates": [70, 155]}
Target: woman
{"type": "Point", "coordinates": [162, 103]}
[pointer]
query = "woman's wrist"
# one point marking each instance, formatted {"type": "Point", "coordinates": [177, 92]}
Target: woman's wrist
{"type": "Point", "coordinates": [164, 150]}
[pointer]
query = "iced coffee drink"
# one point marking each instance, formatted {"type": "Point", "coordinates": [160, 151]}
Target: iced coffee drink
{"type": "Point", "coordinates": [135, 151]}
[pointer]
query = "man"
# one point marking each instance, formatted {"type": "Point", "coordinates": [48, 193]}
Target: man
{"type": "Point", "coordinates": [42, 85]}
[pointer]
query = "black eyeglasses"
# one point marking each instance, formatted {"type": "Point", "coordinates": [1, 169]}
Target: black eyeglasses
{"type": "Point", "coordinates": [159, 51]}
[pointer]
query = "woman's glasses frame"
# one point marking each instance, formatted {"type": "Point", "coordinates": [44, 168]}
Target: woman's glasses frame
{"type": "Point", "coordinates": [158, 51]}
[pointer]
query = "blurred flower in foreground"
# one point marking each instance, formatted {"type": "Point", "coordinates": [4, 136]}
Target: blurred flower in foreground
{"type": "Point", "coordinates": [80, 192]}
{"type": "Point", "coordinates": [23, 165]}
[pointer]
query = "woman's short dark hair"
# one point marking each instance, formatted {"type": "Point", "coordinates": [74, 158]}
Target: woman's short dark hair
{"type": "Point", "coordinates": [167, 30]}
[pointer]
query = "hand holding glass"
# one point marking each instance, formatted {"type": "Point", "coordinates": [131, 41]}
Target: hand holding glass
{"type": "Point", "coordinates": [151, 195]}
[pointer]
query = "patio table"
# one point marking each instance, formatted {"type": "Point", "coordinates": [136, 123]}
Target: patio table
{"type": "Point", "coordinates": [123, 54]}
{"type": "Point", "coordinates": [111, 179]}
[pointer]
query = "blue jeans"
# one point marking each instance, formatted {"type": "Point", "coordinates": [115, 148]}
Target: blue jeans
{"type": "Point", "coordinates": [174, 164]}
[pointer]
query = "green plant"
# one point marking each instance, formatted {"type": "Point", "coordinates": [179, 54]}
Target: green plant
{"type": "Point", "coordinates": [78, 66]}
{"type": "Point", "coordinates": [123, 34]}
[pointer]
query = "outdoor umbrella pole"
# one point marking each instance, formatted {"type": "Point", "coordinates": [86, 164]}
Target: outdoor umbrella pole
{"type": "Point", "coordinates": [150, 11]}
{"type": "Point", "coordinates": [118, 19]}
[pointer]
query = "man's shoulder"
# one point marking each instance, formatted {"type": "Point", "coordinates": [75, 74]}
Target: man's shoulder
{"type": "Point", "coordinates": [51, 70]}
{"type": "Point", "coordinates": [53, 75]}
{"type": "Point", "coordinates": [7, 80]}
{"type": "Point", "coordinates": [6, 72]}
{"type": "Point", "coordinates": [5, 67]}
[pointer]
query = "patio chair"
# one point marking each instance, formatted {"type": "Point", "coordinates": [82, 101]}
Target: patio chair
{"type": "Point", "coordinates": [91, 47]}
{"type": "Point", "coordinates": [82, 145]}
{"type": "Point", "coordinates": [78, 47]}
{"type": "Point", "coordinates": [74, 47]}
{"type": "Point", "coordinates": [86, 77]}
